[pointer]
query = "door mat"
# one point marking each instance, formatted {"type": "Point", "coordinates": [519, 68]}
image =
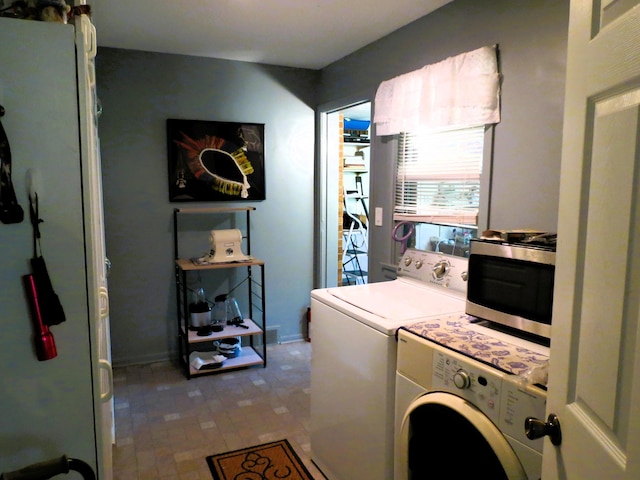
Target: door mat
{"type": "Point", "coordinates": [266, 461]}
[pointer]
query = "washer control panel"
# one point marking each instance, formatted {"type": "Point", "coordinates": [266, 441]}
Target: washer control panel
{"type": "Point", "coordinates": [520, 401]}
{"type": "Point", "coordinates": [505, 399]}
{"type": "Point", "coordinates": [435, 269]}
{"type": "Point", "coordinates": [480, 385]}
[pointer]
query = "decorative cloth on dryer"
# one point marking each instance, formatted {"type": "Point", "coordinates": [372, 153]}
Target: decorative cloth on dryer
{"type": "Point", "coordinates": [454, 332]}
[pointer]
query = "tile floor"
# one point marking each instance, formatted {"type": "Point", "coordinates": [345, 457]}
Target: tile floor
{"type": "Point", "coordinates": [167, 425]}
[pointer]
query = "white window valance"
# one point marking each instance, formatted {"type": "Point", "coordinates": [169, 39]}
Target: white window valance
{"type": "Point", "coordinates": [458, 92]}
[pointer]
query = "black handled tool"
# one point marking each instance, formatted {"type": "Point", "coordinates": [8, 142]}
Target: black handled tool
{"type": "Point", "coordinates": [10, 211]}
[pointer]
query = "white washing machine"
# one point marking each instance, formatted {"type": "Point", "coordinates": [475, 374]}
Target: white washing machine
{"type": "Point", "coordinates": [354, 360]}
{"type": "Point", "coordinates": [464, 416]}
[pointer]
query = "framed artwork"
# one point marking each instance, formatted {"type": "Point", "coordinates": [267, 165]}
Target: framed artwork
{"type": "Point", "coordinates": [215, 161]}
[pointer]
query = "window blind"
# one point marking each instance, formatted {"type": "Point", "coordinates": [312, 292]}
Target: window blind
{"type": "Point", "coordinates": [438, 176]}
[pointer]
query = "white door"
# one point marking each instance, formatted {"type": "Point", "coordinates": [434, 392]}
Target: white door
{"type": "Point", "coordinates": [594, 384]}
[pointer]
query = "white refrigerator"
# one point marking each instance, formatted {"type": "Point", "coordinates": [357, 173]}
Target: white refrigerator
{"type": "Point", "coordinates": [63, 405]}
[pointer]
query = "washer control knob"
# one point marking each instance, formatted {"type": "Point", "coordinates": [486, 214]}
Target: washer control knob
{"type": "Point", "coordinates": [407, 261]}
{"type": "Point", "coordinates": [461, 379]}
{"type": "Point", "coordinates": [465, 276]}
{"type": "Point", "coordinates": [440, 269]}
{"type": "Point", "coordinates": [418, 264]}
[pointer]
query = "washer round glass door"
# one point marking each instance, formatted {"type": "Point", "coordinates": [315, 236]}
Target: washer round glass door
{"type": "Point", "coordinates": [442, 432]}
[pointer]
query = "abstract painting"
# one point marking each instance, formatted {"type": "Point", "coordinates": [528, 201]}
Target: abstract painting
{"type": "Point", "coordinates": [215, 161]}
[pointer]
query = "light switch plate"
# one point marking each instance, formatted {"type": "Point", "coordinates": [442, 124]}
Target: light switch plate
{"type": "Point", "coordinates": [378, 217]}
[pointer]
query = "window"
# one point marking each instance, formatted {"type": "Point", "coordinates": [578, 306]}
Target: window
{"type": "Point", "coordinates": [440, 186]}
{"type": "Point", "coordinates": [438, 177]}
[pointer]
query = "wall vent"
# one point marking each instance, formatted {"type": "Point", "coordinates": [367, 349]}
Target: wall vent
{"type": "Point", "coordinates": [271, 335]}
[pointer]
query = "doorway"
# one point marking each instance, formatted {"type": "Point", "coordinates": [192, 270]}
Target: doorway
{"type": "Point", "coordinates": [345, 156]}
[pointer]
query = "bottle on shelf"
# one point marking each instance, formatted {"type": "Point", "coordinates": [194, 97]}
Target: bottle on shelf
{"type": "Point", "coordinates": [200, 314]}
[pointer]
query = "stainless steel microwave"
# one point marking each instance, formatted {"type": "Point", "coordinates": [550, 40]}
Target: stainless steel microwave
{"type": "Point", "coordinates": [512, 285]}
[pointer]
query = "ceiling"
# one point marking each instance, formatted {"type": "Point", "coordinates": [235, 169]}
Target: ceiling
{"type": "Point", "coordinates": [361, 111]}
{"type": "Point", "coordinates": [293, 33]}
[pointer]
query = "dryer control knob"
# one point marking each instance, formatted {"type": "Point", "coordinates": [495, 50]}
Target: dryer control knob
{"type": "Point", "coordinates": [461, 379]}
{"type": "Point", "coordinates": [440, 269]}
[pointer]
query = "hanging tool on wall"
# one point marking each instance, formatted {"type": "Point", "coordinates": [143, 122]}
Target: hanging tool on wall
{"type": "Point", "coordinates": [50, 306]}
{"type": "Point", "coordinates": [10, 211]}
{"type": "Point", "coordinates": [42, 337]}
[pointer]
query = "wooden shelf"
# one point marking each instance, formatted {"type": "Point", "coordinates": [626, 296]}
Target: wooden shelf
{"type": "Point", "coordinates": [213, 209]}
{"type": "Point", "coordinates": [186, 264]}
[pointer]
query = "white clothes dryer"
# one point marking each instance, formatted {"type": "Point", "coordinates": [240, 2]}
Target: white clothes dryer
{"type": "Point", "coordinates": [462, 416]}
{"type": "Point", "coordinates": [353, 360]}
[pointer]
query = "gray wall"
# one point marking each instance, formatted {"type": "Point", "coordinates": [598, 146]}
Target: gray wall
{"type": "Point", "coordinates": [526, 166]}
{"type": "Point", "coordinates": [138, 92]}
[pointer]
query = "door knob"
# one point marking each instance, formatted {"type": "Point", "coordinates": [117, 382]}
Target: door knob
{"type": "Point", "coordinates": [535, 428]}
